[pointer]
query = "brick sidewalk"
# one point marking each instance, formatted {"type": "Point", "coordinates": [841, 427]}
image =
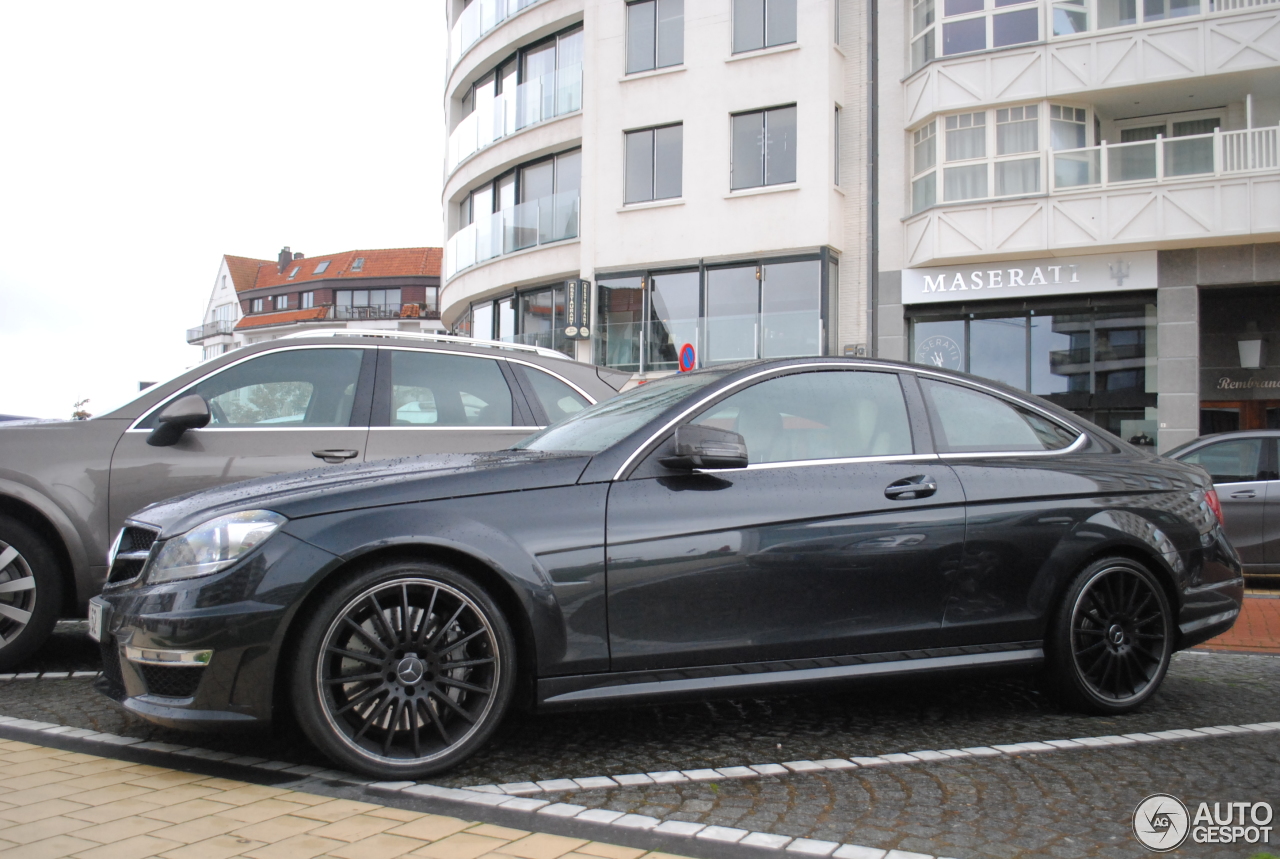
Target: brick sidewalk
{"type": "Point", "coordinates": [55, 803]}
{"type": "Point", "coordinates": [1257, 630]}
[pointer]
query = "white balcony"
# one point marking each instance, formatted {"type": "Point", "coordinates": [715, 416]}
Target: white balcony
{"type": "Point", "coordinates": [1165, 191]}
{"type": "Point", "coordinates": [479, 18]}
{"type": "Point", "coordinates": [554, 94]}
{"type": "Point", "coordinates": [1237, 36]}
{"type": "Point", "coordinates": [538, 222]}
{"type": "Point", "coordinates": [210, 329]}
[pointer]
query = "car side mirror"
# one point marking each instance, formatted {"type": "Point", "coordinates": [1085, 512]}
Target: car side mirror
{"type": "Point", "coordinates": [696, 446]}
{"type": "Point", "coordinates": [190, 412]}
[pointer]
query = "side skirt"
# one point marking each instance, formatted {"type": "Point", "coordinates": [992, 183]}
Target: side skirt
{"type": "Point", "coordinates": [592, 689]}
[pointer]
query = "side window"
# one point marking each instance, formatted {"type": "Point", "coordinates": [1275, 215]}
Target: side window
{"type": "Point", "coordinates": [969, 421]}
{"type": "Point", "coordinates": [820, 415]}
{"type": "Point", "coordinates": [558, 399]}
{"type": "Point", "coordinates": [1229, 461]}
{"type": "Point", "coordinates": [289, 388]}
{"type": "Point", "coordinates": [434, 389]}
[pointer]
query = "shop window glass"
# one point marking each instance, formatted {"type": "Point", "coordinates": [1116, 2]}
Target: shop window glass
{"type": "Point", "coordinates": [939, 344]}
{"type": "Point", "coordinates": [969, 421]}
{"type": "Point", "coordinates": [1229, 461]}
{"type": "Point", "coordinates": [733, 307]}
{"type": "Point", "coordinates": [482, 321]}
{"type": "Point", "coordinates": [673, 318]}
{"type": "Point", "coordinates": [791, 309]}
{"type": "Point", "coordinates": [807, 416]}
{"type": "Point", "coordinates": [619, 309]}
{"type": "Point", "coordinates": [430, 388]}
{"type": "Point", "coordinates": [998, 349]}
{"type": "Point", "coordinates": [1060, 354]}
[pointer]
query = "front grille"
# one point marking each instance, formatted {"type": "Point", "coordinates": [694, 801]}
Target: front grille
{"type": "Point", "coordinates": [135, 544]}
{"type": "Point", "coordinates": [138, 539]}
{"type": "Point", "coordinates": [111, 665]}
{"type": "Point", "coordinates": [171, 681]}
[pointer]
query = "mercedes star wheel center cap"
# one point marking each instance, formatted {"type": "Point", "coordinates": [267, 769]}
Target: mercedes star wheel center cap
{"type": "Point", "coordinates": [1116, 634]}
{"type": "Point", "coordinates": [409, 670]}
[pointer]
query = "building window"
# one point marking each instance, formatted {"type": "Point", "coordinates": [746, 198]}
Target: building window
{"type": "Point", "coordinates": [972, 25]}
{"type": "Point", "coordinates": [320, 269]}
{"type": "Point", "coordinates": [308, 300]}
{"type": "Point", "coordinates": [535, 317]}
{"type": "Point", "coordinates": [655, 34]}
{"type": "Point", "coordinates": [256, 306]}
{"type": "Point", "coordinates": [764, 148]}
{"type": "Point", "coordinates": [727, 313]}
{"type": "Point", "coordinates": [924, 158]}
{"type": "Point", "coordinates": [966, 141]}
{"type": "Point", "coordinates": [1017, 132]}
{"type": "Point", "coordinates": [654, 163]}
{"type": "Point", "coordinates": [1123, 13]}
{"type": "Point", "coordinates": [358, 264]}
{"type": "Point", "coordinates": [835, 145]}
{"type": "Point", "coordinates": [763, 24]}
{"type": "Point", "coordinates": [281, 302]}
{"type": "Point", "coordinates": [1098, 360]}
{"type": "Point", "coordinates": [366, 303]}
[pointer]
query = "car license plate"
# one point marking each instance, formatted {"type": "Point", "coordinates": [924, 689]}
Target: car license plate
{"type": "Point", "coordinates": [95, 620]}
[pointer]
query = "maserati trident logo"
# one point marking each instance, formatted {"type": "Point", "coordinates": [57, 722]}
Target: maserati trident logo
{"type": "Point", "coordinates": [1161, 822]}
{"type": "Point", "coordinates": [1119, 271]}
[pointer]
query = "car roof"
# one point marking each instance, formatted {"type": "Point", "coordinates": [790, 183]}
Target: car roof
{"type": "Point", "coordinates": [1209, 438]}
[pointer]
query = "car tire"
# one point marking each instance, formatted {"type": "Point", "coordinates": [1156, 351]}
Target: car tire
{"type": "Point", "coordinates": [1112, 638]}
{"type": "Point", "coordinates": [30, 592]}
{"type": "Point", "coordinates": [405, 670]}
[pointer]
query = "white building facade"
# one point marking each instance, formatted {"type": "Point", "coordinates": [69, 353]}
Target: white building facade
{"type": "Point", "coordinates": [1082, 198]}
{"type": "Point", "coordinates": [702, 164]}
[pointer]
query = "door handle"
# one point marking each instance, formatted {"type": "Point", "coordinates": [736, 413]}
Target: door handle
{"type": "Point", "coordinates": [334, 456]}
{"type": "Point", "coordinates": [919, 486]}
{"type": "Point", "coordinates": [1244, 493]}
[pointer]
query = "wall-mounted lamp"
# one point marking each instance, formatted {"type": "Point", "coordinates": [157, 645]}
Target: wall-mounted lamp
{"type": "Point", "coordinates": [1252, 347]}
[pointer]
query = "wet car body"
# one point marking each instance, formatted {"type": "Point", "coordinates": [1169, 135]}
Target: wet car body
{"type": "Point", "coordinates": [624, 579]}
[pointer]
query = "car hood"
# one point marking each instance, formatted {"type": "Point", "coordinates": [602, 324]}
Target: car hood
{"type": "Point", "coordinates": [375, 484]}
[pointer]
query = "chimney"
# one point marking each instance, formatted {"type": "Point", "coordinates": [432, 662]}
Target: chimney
{"type": "Point", "coordinates": [297, 256]}
{"type": "Point", "coordinates": [285, 258]}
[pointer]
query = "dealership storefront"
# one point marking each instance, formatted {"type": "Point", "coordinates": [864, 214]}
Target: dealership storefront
{"type": "Point", "coordinates": [1156, 346]}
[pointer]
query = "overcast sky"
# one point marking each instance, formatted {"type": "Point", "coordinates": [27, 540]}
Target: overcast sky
{"type": "Point", "coordinates": [140, 141]}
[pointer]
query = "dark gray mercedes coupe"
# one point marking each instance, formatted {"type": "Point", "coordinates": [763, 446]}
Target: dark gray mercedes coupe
{"type": "Point", "coordinates": [746, 528]}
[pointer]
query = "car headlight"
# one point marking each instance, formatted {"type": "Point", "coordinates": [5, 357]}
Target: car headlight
{"type": "Point", "coordinates": [212, 546]}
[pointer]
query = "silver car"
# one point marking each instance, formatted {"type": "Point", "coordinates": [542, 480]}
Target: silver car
{"type": "Point", "coordinates": [282, 406]}
{"type": "Point", "coordinates": [1245, 467]}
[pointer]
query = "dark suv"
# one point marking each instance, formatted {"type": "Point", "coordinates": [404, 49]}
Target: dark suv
{"type": "Point", "coordinates": [282, 406]}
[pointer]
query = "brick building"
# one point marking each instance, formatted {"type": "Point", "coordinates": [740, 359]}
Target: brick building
{"type": "Point", "coordinates": [255, 300]}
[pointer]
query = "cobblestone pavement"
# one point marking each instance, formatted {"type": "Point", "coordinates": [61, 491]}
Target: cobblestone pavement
{"type": "Point", "coordinates": [1062, 804]}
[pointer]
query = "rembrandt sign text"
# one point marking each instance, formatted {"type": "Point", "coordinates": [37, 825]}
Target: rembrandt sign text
{"type": "Point", "coordinates": [1031, 278]}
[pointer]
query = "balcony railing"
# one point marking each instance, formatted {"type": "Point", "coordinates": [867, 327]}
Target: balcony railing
{"type": "Point", "coordinates": [210, 329]}
{"type": "Point", "coordinates": [550, 219]}
{"type": "Point", "coordinates": [1221, 152]}
{"type": "Point", "coordinates": [478, 19]}
{"type": "Point", "coordinates": [554, 94]}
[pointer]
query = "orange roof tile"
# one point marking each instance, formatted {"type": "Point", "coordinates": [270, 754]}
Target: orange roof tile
{"type": "Point", "coordinates": [261, 320]}
{"type": "Point", "coordinates": [244, 270]}
{"type": "Point", "coordinates": [388, 262]}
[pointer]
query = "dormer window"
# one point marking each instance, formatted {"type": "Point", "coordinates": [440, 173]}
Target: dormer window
{"type": "Point", "coordinates": [321, 268]}
{"type": "Point", "coordinates": [358, 264]}
{"type": "Point", "coordinates": [294, 272]}
{"type": "Point", "coordinates": [256, 306]}
{"type": "Point", "coordinates": [282, 302]}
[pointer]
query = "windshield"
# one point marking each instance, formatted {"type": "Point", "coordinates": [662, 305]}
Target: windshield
{"type": "Point", "coordinates": [594, 429]}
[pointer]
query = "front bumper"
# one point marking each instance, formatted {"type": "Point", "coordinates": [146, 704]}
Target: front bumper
{"type": "Point", "coordinates": [202, 654]}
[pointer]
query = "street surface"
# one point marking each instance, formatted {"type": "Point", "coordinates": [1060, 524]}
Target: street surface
{"type": "Point", "coordinates": [1071, 803]}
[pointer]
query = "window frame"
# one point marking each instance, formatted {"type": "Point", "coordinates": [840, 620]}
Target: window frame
{"type": "Point", "coordinates": [652, 131]}
{"type": "Point", "coordinates": [764, 27]}
{"type": "Point", "coordinates": [764, 148]}
{"type": "Point", "coordinates": [626, 59]}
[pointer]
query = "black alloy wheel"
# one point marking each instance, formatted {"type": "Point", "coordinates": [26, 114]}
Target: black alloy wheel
{"type": "Point", "coordinates": [407, 671]}
{"type": "Point", "coordinates": [1114, 637]}
{"type": "Point", "coordinates": [30, 592]}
